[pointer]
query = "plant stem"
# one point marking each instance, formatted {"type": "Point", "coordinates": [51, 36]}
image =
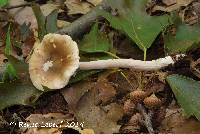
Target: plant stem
{"type": "Point", "coordinates": [127, 63]}
{"type": "Point", "coordinates": [113, 55]}
{"type": "Point", "coordinates": [147, 118]}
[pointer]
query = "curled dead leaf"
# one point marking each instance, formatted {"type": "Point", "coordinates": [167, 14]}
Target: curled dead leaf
{"type": "Point", "coordinates": [77, 7]}
{"type": "Point", "coordinates": [95, 2]}
{"type": "Point", "coordinates": [176, 123]}
{"type": "Point", "coordinates": [194, 66]}
{"type": "Point", "coordinates": [42, 123]}
{"type": "Point", "coordinates": [22, 14]}
{"type": "Point", "coordinates": [96, 117]}
{"type": "Point", "coordinates": [74, 93]}
{"type": "Point", "coordinates": [172, 5]}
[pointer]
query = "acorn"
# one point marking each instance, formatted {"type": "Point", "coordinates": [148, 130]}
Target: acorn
{"type": "Point", "coordinates": [152, 101]}
{"type": "Point", "coordinates": [137, 96]}
{"type": "Point", "coordinates": [129, 107]}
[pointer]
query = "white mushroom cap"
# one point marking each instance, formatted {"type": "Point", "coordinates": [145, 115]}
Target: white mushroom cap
{"type": "Point", "coordinates": [53, 61]}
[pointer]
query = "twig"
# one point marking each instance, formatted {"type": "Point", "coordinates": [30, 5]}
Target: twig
{"type": "Point", "coordinates": [127, 63]}
{"type": "Point", "coordinates": [15, 6]}
{"type": "Point", "coordinates": [147, 118]}
{"type": "Point", "coordinates": [81, 25]}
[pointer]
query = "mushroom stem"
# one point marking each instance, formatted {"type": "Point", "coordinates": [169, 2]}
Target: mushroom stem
{"type": "Point", "coordinates": [127, 63]}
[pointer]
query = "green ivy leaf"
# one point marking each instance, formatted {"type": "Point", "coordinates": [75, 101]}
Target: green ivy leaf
{"type": "Point", "coordinates": [94, 46]}
{"type": "Point", "coordinates": [187, 92]}
{"type": "Point", "coordinates": [10, 73]}
{"type": "Point", "coordinates": [20, 91]}
{"type": "Point", "coordinates": [40, 21]}
{"type": "Point", "coordinates": [25, 30]}
{"type": "Point", "coordinates": [132, 19]}
{"type": "Point", "coordinates": [17, 93]}
{"type": "Point", "coordinates": [51, 22]}
{"type": "Point", "coordinates": [8, 42]}
{"type": "Point", "coordinates": [82, 74]}
{"type": "Point", "coordinates": [3, 3]}
{"type": "Point", "coordinates": [95, 41]}
{"type": "Point", "coordinates": [46, 24]}
{"type": "Point", "coordinates": [186, 38]}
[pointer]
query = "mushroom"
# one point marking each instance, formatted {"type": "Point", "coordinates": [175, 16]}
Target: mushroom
{"type": "Point", "coordinates": [53, 61]}
{"type": "Point", "coordinates": [56, 59]}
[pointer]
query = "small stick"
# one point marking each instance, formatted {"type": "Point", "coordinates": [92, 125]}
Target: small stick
{"type": "Point", "coordinates": [14, 6]}
{"type": "Point", "coordinates": [82, 24]}
{"type": "Point", "coordinates": [127, 63]}
{"type": "Point", "coordinates": [17, 6]}
{"type": "Point", "coordinates": [147, 118]}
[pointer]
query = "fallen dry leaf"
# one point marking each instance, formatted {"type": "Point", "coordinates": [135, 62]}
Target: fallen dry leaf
{"type": "Point", "coordinates": [2, 58]}
{"type": "Point", "coordinates": [172, 7]}
{"type": "Point", "coordinates": [57, 118]}
{"type": "Point", "coordinates": [3, 122]}
{"type": "Point", "coordinates": [194, 66]}
{"type": "Point", "coordinates": [196, 8]}
{"type": "Point", "coordinates": [176, 123]}
{"type": "Point", "coordinates": [82, 99]}
{"type": "Point", "coordinates": [61, 120]}
{"type": "Point", "coordinates": [84, 131]}
{"type": "Point", "coordinates": [99, 119]}
{"type": "Point", "coordinates": [62, 23]}
{"type": "Point", "coordinates": [48, 8]}
{"type": "Point", "coordinates": [133, 125]}
{"type": "Point", "coordinates": [43, 121]}
{"type": "Point", "coordinates": [26, 15]}
{"type": "Point", "coordinates": [42, 131]}
{"type": "Point", "coordinates": [106, 90]}
{"type": "Point", "coordinates": [2, 64]}
{"type": "Point", "coordinates": [95, 2]}
{"type": "Point", "coordinates": [77, 7]}
{"type": "Point", "coordinates": [125, 81]}
{"type": "Point", "coordinates": [74, 93]}
{"type": "Point", "coordinates": [22, 14]}
{"type": "Point", "coordinates": [169, 2]}
{"type": "Point", "coordinates": [55, 131]}
{"type": "Point", "coordinates": [28, 45]}
{"type": "Point", "coordinates": [154, 87]}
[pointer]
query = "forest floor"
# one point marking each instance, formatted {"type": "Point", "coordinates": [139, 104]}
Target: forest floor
{"type": "Point", "coordinates": [99, 101]}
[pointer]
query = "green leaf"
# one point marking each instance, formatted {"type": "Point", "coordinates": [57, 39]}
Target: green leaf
{"type": "Point", "coordinates": [40, 21]}
{"type": "Point", "coordinates": [95, 41]}
{"type": "Point", "coordinates": [25, 30]}
{"type": "Point", "coordinates": [20, 91]}
{"type": "Point", "coordinates": [51, 22]}
{"type": "Point", "coordinates": [10, 73]}
{"type": "Point", "coordinates": [133, 20]}
{"type": "Point", "coordinates": [95, 46]}
{"type": "Point", "coordinates": [8, 42]}
{"type": "Point", "coordinates": [187, 92]}
{"type": "Point", "coordinates": [46, 24]}
{"type": "Point", "coordinates": [185, 39]}
{"type": "Point", "coordinates": [80, 75]}
{"type": "Point", "coordinates": [17, 93]}
{"type": "Point", "coordinates": [20, 66]}
{"type": "Point", "coordinates": [3, 3]}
